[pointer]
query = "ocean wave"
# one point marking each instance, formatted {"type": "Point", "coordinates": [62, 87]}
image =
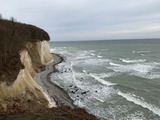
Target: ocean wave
{"type": "Point", "coordinates": [104, 75]}
{"type": "Point", "coordinates": [97, 62]}
{"type": "Point", "coordinates": [84, 71]}
{"type": "Point", "coordinates": [141, 52]}
{"type": "Point", "coordinates": [133, 98]}
{"type": "Point", "coordinates": [152, 76]}
{"type": "Point", "coordinates": [61, 51]}
{"type": "Point", "coordinates": [141, 68]}
{"type": "Point", "coordinates": [144, 70]}
{"type": "Point", "coordinates": [99, 92]}
{"type": "Point", "coordinates": [129, 88]}
{"type": "Point", "coordinates": [133, 51]}
{"type": "Point", "coordinates": [103, 49]}
{"type": "Point", "coordinates": [67, 51]}
{"type": "Point", "coordinates": [102, 81]}
{"type": "Point", "coordinates": [100, 56]}
{"type": "Point", "coordinates": [83, 54]}
{"type": "Point", "coordinates": [93, 54]}
{"type": "Point", "coordinates": [134, 116]}
{"type": "Point", "coordinates": [114, 64]}
{"type": "Point", "coordinates": [132, 61]}
{"type": "Point", "coordinates": [82, 57]}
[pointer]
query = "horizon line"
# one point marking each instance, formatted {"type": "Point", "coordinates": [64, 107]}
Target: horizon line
{"type": "Point", "coordinates": [105, 40]}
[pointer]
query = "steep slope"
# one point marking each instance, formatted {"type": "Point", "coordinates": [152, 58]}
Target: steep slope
{"type": "Point", "coordinates": [23, 54]}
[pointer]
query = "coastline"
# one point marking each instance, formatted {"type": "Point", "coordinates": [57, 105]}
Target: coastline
{"type": "Point", "coordinates": [64, 104]}
{"type": "Point", "coordinates": [58, 96]}
{"type": "Point", "coordinates": [63, 107]}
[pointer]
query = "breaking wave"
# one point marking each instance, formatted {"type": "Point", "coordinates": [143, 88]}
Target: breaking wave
{"type": "Point", "coordinates": [144, 70]}
{"type": "Point", "coordinates": [132, 61]}
{"type": "Point", "coordinates": [133, 98]}
{"type": "Point", "coordinates": [102, 81]}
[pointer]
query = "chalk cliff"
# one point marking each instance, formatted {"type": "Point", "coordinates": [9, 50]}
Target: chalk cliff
{"type": "Point", "coordinates": [24, 51]}
{"type": "Point", "coordinates": [24, 93]}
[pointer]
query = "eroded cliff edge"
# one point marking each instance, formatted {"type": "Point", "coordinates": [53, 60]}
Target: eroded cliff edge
{"type": "Point", "coordinates": [23, 52]}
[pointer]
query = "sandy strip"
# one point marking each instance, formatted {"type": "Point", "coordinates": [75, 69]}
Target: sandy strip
{"type": "Point", "coordinates": [53, 91]}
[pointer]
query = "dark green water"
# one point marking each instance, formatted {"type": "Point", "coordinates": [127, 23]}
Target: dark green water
{"type": "Point", "coordinates": [122, 78]}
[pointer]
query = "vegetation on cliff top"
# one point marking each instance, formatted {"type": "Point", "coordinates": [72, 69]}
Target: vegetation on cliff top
{"type": "Point", "coordinates": [13, 38]}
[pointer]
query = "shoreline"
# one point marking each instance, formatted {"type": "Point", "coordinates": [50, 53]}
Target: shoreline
{"type": "Point", "coordinates": [63, 108]}
{"type": "Point", "coordinates": [59, 97]}
{"type": "Point", "coordinates": [63, 103]}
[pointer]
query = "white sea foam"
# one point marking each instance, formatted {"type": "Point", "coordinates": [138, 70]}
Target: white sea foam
{"type": "Point", "coordinates": [134, 116]}
{"type": "Point", "coordinates": [94, 89]}
{"type": "Point", "coordinates": [67, 51]}
{"type": "Point", "coordinates": [132, 61]}
{"type": "Point", "coordinates": [144, 52]}
{"type": "Point", "coordinates": [114, 64]}
{"type": "Point", "coordinates": [144, 70]}
{"type": "Point", "coordinates": [83, 54]}
{"type": "Point", "coordinates": [104, 75]}
{"type": "Point", "coordinates": [102, 81]}
{"type": "Point", "coordinates": [100, 56]}
{"type": "Point", "coordinates": [97, 62]}
{"type": "Point", "coordinates": [140, 102]}
{"type": "Point", "coordinates": [79, 103]}
{"type": "Point", "coordinates": [92, 100]}
{"type": "Point", "coordinates": [52, 50]}
{"type": "Point", "coordinates": [84, 71]}
{"type": "Point", "coordinates": [141, 68]}
{"type": "Point", "coordinates": [82, 57]}
{"type": "Point", "coordinates": [153, 76]}
{"type": "Point", "coordinates": [73, 75]}
{"type": "Point", "coordinates": [156, 63]}
{"type": "Point", "coordinates": [99, 92]}
{"type": "Point", "coordinates": [132, 68]}
{"type": "Point", "coordinates": [93, 54]}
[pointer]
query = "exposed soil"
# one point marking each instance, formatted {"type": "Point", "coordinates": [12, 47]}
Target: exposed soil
{"type": "Point", "coordinates": [60, 113]}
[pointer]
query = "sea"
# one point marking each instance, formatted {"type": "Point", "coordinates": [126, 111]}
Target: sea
{"type": "Point", "coordinates": [112, 79]}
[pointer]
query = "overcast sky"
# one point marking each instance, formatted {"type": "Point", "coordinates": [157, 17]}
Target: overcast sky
{"type": "Point", "coordinates": [88, 19]}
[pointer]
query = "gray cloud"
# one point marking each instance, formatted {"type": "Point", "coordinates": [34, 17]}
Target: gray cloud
{"type": "Point", "coordinates": [88, 19]}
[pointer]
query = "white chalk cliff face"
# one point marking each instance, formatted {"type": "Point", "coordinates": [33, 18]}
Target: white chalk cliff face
{"type": "Point", "coordinates": [25, 91]}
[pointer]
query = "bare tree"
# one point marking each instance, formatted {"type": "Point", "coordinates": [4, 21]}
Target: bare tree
{"type": "Point", "coordinates": [13, 19]}
{"type": "Point", "coordinates": [1, 16]}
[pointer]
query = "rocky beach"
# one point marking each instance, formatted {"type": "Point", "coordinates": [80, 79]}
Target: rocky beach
{"type": "Point", "coordinates": [61, 105]}
{"type": "Point", "coordinates": [59, 97]}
